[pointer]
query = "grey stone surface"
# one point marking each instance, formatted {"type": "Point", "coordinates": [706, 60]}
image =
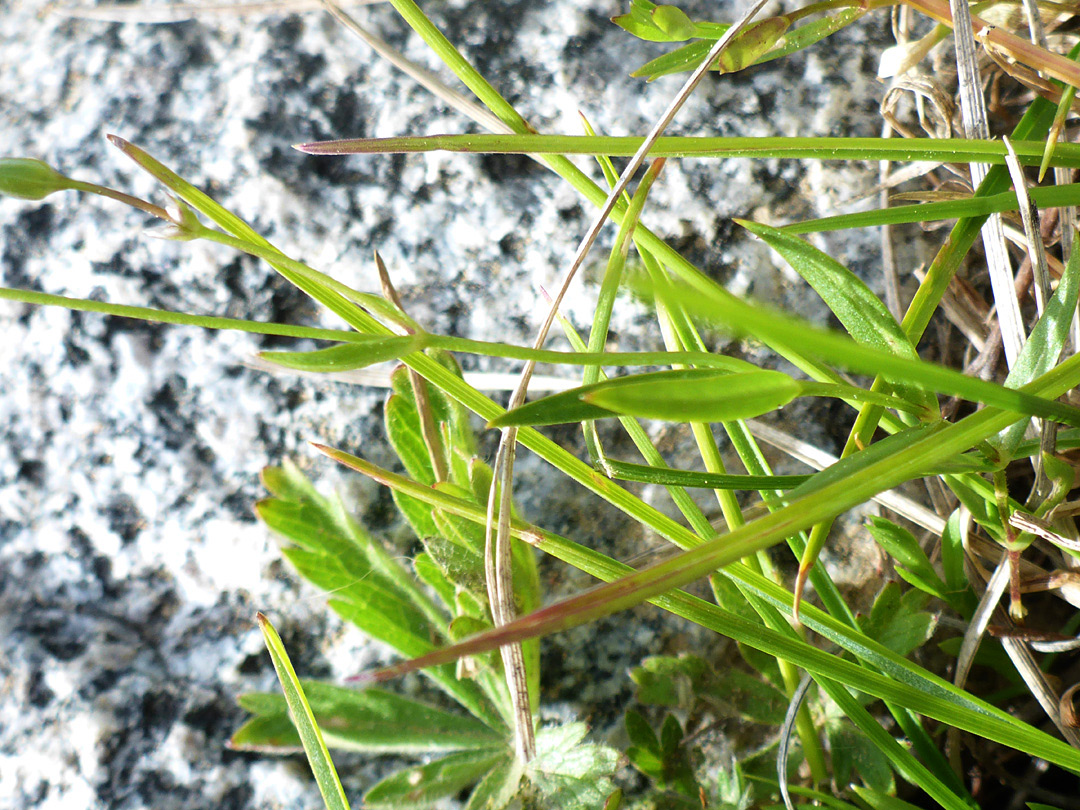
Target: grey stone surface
{"type": "Point", "coordinates": [130, 563]}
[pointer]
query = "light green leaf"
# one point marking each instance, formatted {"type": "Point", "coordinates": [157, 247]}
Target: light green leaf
{"type": "Point", "coordinates": [499, 787]}
{"type": "Point", "coordinates": [374, 720]}
{"type": "Point", "coordinates": [897, 621]}
{"type": "Point", "coordinates": [1042, 348]}
{"type": "Point", "coordinates": [654, 23]}
{"type": "Point", "coordinates": [431, 575]}
{"type": "Point", "coordinates": [568, 773]}
{"type": "Point", "coordinates": [706, 397]}
{"type": "Point", "coordinates": [689, 56]}
{"type": "Point", "coordinates": [314, 747]}
{"type": "Point", "coordinates": [423, 785]}
{"type": "Point", "coordinates": [347, 356]}
{"type": "Point", "coordinates": [911, 561]}
{"type": "Point", "coordinates": [737, 317]}
{"type": "Point", "coordinates": [666, 476]}
{"type": "Point", "coordinates": [861, 312]}
{"type": "Point", "coordinates": [571, 406]}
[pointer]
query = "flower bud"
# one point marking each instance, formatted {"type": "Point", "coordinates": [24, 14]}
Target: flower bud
{"type": "Point", "coordinates": [30, 179]}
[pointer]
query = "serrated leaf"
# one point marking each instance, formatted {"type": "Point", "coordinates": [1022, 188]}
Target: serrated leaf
{"type": "Point", "coordinates": [419, 515]}
{"type": "Point", "coordinates": [499, 787]}
{"type": "Point", "coordinates": [287, 482]}
{"type": "Point", "coordinates": [862, 313]}
{"type": "Point", "coordinates": [372, 720]}
{"type": "Point", "coordinates": [568, 773]}
{"type": "Point", "coordinates": [422, 785]}
{"type": "Point", "coordinates": [360, 353]}
{"type": "Point", "coordinates": [898, 621]}
{"type": "Point", "coordinates": [641, 733]}
{"type": "Point", "coordinates": [571, 406]}
{"type": "Point", "coordinates": [384, 617]}
{"type": "Point", "coordinates": [668, 681]}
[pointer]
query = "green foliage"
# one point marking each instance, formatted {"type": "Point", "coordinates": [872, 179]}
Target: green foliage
{"type": "Point", "coordinates": [439, 614]}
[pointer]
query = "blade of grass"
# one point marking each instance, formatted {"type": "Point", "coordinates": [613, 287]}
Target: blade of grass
{"type": "Point", "coordinates": [1044, 197]}
{"type": "Point", "coordinates": [943, 150]}
{"type": "Point", "coordinates": [905, 684]}
{"type": "Point", "coordinates": [314, 747]}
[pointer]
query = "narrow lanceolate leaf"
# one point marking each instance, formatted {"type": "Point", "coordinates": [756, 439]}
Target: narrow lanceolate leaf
{"type": "Point", "coordinates": [709, 397]}
{"type": "Point", "coordinates": [1043, 347]}
{"type": "Point", "coordinates": [572, 406]}
{"type": "Point", "coordinates": [423, 785]}
{"type": "Point", "coordinates": [862, 313]}
{"type": "Point", "coordinates": [976, 206]}
{"type": "Point", "coordinates": [314, 747]}
{"type": "Point", "coordinates": [1068, 93]}
{"type": "Point", "coordinates": [348, 356]}
{"type": "Point", "coordinates": [742, 319]}
{"type": "Point", "coordinates": [369, 720]}
{"type": "Point", "coordinates": [929, 149]}
{"type": "Point", "coordinates": [665, 476]}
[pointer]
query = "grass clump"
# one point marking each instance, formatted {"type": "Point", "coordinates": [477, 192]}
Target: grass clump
{"type": "Point", "coordinates": [850, 710]}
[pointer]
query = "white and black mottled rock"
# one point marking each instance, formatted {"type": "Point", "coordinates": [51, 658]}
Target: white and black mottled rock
{"type": "Point", "coordinates": [130, 563]}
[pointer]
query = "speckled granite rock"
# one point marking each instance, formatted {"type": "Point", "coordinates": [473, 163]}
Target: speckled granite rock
{"type": "Point", "coordinates": [130, 564]}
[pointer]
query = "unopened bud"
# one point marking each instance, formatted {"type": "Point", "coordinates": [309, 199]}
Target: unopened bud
{"type": "Point", "coordinates": [30, 179]}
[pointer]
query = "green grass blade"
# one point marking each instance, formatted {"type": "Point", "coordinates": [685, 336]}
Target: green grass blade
{"type": "Point", "coordinates": [179, 318]}
{"type": "Point", "coordinates": [746, 320]}
{"type": "Point", "coordinates": [665, 476]}
{"type": "Point", "coordinates": [978, 206]}
{"type": "Point", "coordinates": [905, 684]}
{"type": "Point", "coordinates": [950, 150]}
{"type": "Point", "coordinates": [314, 747]}
{"type": "Point", "coordinates": [605, 301]}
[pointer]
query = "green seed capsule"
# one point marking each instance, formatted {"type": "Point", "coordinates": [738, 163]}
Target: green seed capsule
{"type": "Point", "coordinates": [30, 179]}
